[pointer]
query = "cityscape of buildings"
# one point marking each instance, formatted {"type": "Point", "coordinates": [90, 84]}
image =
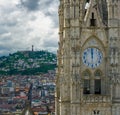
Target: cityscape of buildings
{"type": "Point", "coordinates": [15, 91]}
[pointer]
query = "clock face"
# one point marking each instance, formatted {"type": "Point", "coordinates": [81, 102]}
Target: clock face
{"type": "Point", "coordinates": [92, 57]}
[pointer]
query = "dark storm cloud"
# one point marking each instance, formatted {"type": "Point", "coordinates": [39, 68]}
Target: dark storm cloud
{"type": "Point", "coordinates": [45, 6]}
{"type": "Point", "coordinates": [31, 5]}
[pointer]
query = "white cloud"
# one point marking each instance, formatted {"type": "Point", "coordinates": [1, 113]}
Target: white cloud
{"type": "Point", "coordinates": [8, 2]}
{"type": "Point", "coordinates": [23, 25]}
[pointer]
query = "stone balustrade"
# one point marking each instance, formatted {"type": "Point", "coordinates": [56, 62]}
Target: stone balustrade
{"type": "Point", "coordinates": [96, 98]}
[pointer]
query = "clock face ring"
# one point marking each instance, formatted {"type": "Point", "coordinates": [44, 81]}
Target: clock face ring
{"type": "Point", "coordinates": [92, 57]}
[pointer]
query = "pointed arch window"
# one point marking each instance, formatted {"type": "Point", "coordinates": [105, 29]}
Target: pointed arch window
{"type": "Point", "coordinates": [98, 73]}
{"type": "Point", "coordinates": [86, 74]}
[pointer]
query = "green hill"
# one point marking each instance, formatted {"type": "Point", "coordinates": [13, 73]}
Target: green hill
{"type": "Point", "coordinates": [27, 63]}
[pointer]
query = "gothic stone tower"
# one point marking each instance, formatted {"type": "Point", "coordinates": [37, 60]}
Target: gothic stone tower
{"type": "Point", "coordinates": [88, 74]}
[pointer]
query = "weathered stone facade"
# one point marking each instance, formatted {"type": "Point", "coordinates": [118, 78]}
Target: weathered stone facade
{"type": "Point", "coordinates": [88, 74]}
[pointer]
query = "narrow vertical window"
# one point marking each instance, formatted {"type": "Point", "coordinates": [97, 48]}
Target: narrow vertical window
{"type": "Point", "coordinates": [86, 89]}
{"type": "Point", "coordinates": [97, 86]}
{"type": "Point", "coordinates": [92, 20]}
{"type": "Point", "coordinates": [86, 86]}
{"type": "Point", "coordinates": [97, 83]}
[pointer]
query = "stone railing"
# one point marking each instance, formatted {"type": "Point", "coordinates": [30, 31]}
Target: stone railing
{"type": "Point", "coordinates": [96, 98]}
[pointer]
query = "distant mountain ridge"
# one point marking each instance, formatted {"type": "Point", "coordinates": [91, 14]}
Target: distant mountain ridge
{"type": "Point", "coordinates": [27, 63]}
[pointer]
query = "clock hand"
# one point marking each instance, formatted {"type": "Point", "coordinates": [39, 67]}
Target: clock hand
{"type": "Point", "coordinates": [92, 58]}
{"type": "Point", "coordinates": [92, 53]}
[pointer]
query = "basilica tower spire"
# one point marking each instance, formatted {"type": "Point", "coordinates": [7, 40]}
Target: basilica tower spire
{"type": "Point", "coordinates": [85, 57]}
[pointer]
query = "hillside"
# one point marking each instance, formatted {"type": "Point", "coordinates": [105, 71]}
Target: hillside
{"type": "Point", "coordinates": [27, 63]}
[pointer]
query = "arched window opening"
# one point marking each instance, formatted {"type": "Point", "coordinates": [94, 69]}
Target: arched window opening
{"type": "Point", "coordinates": [86, 86]}
{"type": "Point", "coordinates": [86, 89]}
{"type": "Point", "coordinates": [98, 74]}
{"type": "Point", "coordinates": [92, 20]}
{"type": "Point", "coordinates": [86, 74]}
{"type": "Point", "coordinates": [97, 86]}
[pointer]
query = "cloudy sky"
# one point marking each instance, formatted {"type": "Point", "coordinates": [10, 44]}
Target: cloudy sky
{"type": "Point", "coordinates": [24, 23]}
